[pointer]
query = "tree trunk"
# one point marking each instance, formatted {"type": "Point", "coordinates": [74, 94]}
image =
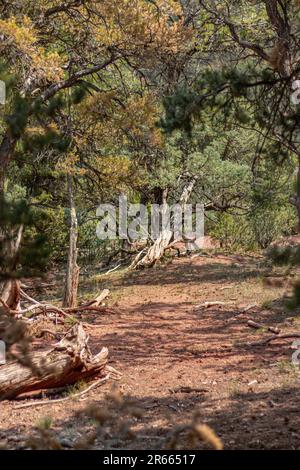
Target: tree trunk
{"type": "Point", "coordinates": [187, 191]}
{"type": "Point", "coordinates": [157, 250]}
{"type": "Point", "coordinates": [10, 289]}
{"type": "Point", "coordinates": [72, 274]}
{"type": "Point", "coordinates": [66, 364]}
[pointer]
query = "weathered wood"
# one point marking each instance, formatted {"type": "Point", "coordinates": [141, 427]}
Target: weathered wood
{"type": "Point", "coordinates": [257, 326]}
{"type": "Point", "coordinates": [157, 249]}
{"type": "Point", "coordinates": [72, 274]}
{"type": "Point", "coordinates": [10, 289]}
{"type": "Point", "coordinates": [166, 236]}
{"type": "Point", "coordinates": [10, 295]}
{"type": "Point", "coordinates": [69, 361]}
{"type": "Point", "coordinates": [215, 303]}
{"type": "Point", "coordinates": [92, 305]}
{"type": "Point", "coordinates": [274, 338]}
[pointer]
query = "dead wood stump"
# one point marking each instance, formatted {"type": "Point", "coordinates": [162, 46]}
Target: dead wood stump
{"type": "Point", "coordinates": [68, 362]}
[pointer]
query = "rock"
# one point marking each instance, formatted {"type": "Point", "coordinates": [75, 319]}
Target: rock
{"type": "Point", "coordinates": [253, 382]}
{"type": "Point", "coordinates": [66, 443]}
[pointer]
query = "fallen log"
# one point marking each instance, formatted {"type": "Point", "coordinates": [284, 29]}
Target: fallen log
{"type": "Point", "coordinates": [258, 326]}
{"type": "Point", "coordinates": [68, 362]}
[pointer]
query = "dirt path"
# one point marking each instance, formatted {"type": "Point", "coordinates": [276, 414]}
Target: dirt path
{"type": "Point", "coordinates": [179, 359]}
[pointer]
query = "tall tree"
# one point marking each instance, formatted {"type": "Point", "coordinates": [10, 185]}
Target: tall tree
{"type": "Point", "coordinates": [249, 63]}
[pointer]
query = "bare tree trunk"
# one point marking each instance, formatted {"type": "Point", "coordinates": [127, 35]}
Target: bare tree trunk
{"type": "Point", "coordinates": [187, 191]}
{"type": "Point", "coordinates": [10, 289]}
{"type": "Point", "coordinates": [72, 274]}
{"type": "Point", "coordinates": [157, 250]}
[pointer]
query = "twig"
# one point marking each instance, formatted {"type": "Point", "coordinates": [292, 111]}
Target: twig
{"type": "Point", "coordinates": [60, 400]}
{"type": "Point", "coordinates": [187, 390]}
{"type": "Point", "coordinates": [18, 312]}
{"type": "Point", "coordinates": [49, 332]}
{"type": "Point", "coordinates": [114, 371]}
{"type": "Point", "coordinates": [257, 326]}
{"type": "Point", "coordinates": [113, 269]}
{"type": "Point", "coordinates": [212, 304]}
{"type": "Point", "coordinates": [48, 308]}
{"type": "Point", "coordinates": [92, 305]}
{"type": "Point", "coordinates": [274, 338]}
{"type": "Point", "coordinates": [249, 308]}
{"type": "Point", "coordinates": [136, 259]}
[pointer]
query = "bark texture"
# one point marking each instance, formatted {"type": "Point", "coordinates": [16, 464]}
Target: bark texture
{"type": "Point", "coordinates": [69, 361]}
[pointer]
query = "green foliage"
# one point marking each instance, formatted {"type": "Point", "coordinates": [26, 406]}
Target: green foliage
{"type": "Point", "coordinates": [33, 253]}
{"type": "Point", "coordinates": [17, 120]}
{"type": "Point", "coordinates": [294, 302]}
{"type": "Point", "coordinates": [285, 255]}
{"type": "Point", "coordinates": [45, 423]}
{"type": "Point", "coordinates": [178, 111]}
{"type": "Point", "coordinates": [271, 223]}
{"type": "Point", "coordinates": [232, 232]}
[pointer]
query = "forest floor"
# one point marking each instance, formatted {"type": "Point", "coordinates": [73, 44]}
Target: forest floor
{"type": "Point", "coordinates": [180, 360]}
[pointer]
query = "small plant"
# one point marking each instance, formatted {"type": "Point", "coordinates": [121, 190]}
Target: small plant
{"type": "Point", "coordinates": [287, 367]}
{"type": "Point", "coordinates": [294, 302]}
{"type": "Point", "coordinates": [70, 321]}
{"type": "Point", "coordinates": [75, 388]}
{"type": "Point", "coordinates": [267, 303]}
{"type": "Point", "coordinates": [45, 423]}
{"type": "Point", "coordinates": [234, 388]}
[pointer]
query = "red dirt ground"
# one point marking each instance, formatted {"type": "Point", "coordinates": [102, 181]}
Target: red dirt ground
{"type": "Point", "coordinates": [179, 360]}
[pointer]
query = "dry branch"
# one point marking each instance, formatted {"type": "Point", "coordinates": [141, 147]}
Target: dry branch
{"type": "Point", "coordinates": [92, 305]}
{"type": "Point", "coordinates": [69, 361]}
{"type": "Point", "coordinates": [249, 307]}
{"type": "Point", "coordinates": [258, 326]}
{"type": "Point", "coordinates": [61, 400]}
{"type": "Point", "coordinates": [213, 304]}
{"type": "Point", "coordinates": [45, 308]}
{"type": "Point", "coordinates": [274, 338]}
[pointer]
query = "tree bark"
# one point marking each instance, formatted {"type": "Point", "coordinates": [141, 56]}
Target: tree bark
{"type": "Point", "coordinates": [66, 364]}
{"type": "Point", "coordinates": [157, 250]}
{"type": "Point", "coordinates": [72, 274]}
{"type": "Point", "coordinates": [10, 289]}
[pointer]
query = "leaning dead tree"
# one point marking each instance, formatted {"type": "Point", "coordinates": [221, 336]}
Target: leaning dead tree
{"type": "Point", "coordinates": [165, 239]}
{"type": "Point", "coordinates": [68, 362]}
